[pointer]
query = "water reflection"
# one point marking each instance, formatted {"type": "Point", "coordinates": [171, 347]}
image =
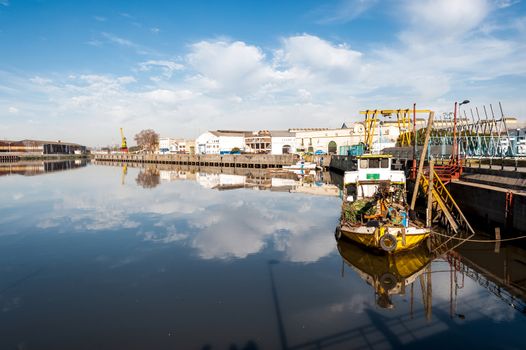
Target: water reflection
{"type": "Point", "coordinates": [387, 274]}
{"type": "Point", "coordinates": [148, 178]}
{"type": "Point", "coordinates": [222, 179]}
{"type": "Point", "coordinates": [113, 265]}
{"type": "Point", "coordinates": [31, 168]}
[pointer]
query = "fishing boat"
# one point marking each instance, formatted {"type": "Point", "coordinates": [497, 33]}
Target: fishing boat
{"type": "Point", "coordinates": [387, 274]}
{"type": "Point", "coordinates": [375, 211]}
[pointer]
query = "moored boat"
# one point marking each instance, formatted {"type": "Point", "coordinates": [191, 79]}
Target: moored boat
{"type": "Point", "coordinates": [375, 211]}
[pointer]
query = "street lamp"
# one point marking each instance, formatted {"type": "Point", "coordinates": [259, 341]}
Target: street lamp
{"type": "Point", "coordinates": [455, 151]}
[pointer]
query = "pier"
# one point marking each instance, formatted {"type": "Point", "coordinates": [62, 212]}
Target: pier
{"type": "Point", "coordinates": [215, 160]}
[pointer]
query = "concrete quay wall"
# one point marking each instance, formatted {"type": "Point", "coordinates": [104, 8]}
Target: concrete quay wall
{"type": "Point", "coordinates": [228, 160]}
{"type": "Point", "coordinates": [491, 206]}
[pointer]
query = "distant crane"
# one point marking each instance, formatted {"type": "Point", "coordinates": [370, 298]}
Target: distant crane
{"type": "Point", "coordinates": [124, 145]}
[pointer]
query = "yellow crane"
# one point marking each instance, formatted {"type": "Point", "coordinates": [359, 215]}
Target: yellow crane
{"type": "Point", "coordinates": [404, 121]}
{"type": "Point", "coordinates": [124, 145]}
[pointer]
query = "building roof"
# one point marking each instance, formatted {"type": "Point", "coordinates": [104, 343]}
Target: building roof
{"type": "Point", "coordinates": [37, 143]}
{"type": "Point", "coordinates": [307, 129]}
{"type": "Point", "coordinates": [230, 133]}
{"type": "Point", "coordinates": [282, 133]}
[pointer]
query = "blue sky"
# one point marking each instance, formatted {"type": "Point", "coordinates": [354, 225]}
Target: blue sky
{"type": "Point", "coordinates": [79, 70]}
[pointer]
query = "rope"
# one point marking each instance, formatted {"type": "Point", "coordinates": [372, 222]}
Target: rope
{"type": "Point", "coordinates": [481, 240]}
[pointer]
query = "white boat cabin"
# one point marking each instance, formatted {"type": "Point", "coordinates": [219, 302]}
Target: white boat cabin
{"type": "Point", "coordinates": [372, 169]}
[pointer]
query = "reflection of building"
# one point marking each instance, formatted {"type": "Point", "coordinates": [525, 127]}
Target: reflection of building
{"type": "Point", "coordinates": [317, 189]}
{"type": "Point", "coordinates": [174, 175]}
{"type": "Point", "coordinates": [41, 147]}
{"type": "Point", "coordinates": [221, 181]}
{"type": "Point", "coordinates": [220, 142]}
{"type": "Point", "coordinates": [30, 168]}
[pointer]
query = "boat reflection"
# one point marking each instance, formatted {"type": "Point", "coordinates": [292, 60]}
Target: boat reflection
{"type": "Point", "coordinates": [388, 274]}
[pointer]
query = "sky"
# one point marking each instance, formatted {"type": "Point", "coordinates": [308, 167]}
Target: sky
{"type": "Point", "coordinates": [79, 70]}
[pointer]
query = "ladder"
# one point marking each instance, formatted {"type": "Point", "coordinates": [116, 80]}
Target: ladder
{"type": "Point", "coordinates": [444, 204]}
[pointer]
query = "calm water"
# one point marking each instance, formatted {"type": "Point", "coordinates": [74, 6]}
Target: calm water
{"type": "Point", "coordinates": [101, 257]}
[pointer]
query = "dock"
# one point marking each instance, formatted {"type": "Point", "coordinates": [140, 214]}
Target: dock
{"type": "Point", "coordinates": [263, 161]}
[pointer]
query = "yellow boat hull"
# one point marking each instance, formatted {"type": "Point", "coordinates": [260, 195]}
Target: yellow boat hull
{"type": "Point", "coordinates": [371, 236]}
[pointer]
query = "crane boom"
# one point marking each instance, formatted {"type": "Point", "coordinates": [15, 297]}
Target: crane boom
{"type": "Point", "coordinates": [124, 144]}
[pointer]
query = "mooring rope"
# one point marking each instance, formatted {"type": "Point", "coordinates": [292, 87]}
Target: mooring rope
{"type": "Point", "coordinates": [480, 240]}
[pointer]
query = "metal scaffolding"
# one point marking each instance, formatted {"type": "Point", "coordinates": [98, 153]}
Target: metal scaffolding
{"type": "Point", "coordinates": [479, 134]}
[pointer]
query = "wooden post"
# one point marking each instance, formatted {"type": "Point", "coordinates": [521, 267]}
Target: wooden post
{"type": "Point", "coordinates": [429, 211]}
{"type": "Point", "coordinates": [429, 294]}
{"type": "Point", "coordinates": [497, 238]}
{"type": "Point", "coordinates": [422, 159]}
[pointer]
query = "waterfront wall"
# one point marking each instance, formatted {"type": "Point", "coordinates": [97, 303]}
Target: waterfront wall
{"type": "Point", "coordinates": [492, 205]}
{"type": "Point", "coordinates": [228, 160]}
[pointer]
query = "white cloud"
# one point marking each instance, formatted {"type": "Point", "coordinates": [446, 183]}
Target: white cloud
{"type": "Point", "coordinates": [445, 19]}
{"type": "Point", "coordinates": [100, 18]}
{"type": "Point", "coordinates": [506, 3]}
{"type": "Point", "coordinates": [231, 65]}
{"type": "Point", "coordinates": [166, 66]}
{"type": "Point", "coordinates": [123, 42]}
{"type": "Point", "coordinates": [155, 30]}
{"type": "Point", "coordinates": [12, 110]}
{"type": "Point", "coordinates": [313, 57]}
{"type": "Point", "coordinates": [304, 81]}
{"type": "Point", "coordinates": [344, 11]}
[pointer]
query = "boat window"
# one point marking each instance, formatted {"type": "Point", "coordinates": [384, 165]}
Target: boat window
{"type": "Point", "coordinates": [385, 162]}
{"type": "Point", "coordinates": [374, 163]}
{"type": "Point", "coordinates": [364, 163]}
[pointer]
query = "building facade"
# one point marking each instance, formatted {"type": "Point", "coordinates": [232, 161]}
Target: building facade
{"type": "Point", "coordinates": [328, 141]}
{"type": "Point", "coordinates": [336, 141]}
{"type": "Point", "coordinates": [169, 145]}
{"type": "Point", "coordinates": [283, 142]}
{"type": "Point", "coordinates": [220, 142]}
{"type": "Point", "coordinates": [41, 147]}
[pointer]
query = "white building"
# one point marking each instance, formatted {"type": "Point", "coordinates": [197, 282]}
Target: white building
{"type": "Point", "coordinates": [270, 142]}
{"type": "Point", "coordinates": [328, 141]}
{"type": "Point", "coordinates": [282, 142]}
{"type": "Point", "coordinates": [220, 142]}
{"type": "Point", "coordinates": [168, 145]}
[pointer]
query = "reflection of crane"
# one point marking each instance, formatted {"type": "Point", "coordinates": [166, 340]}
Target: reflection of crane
{"type": "Point", "coordinates": [124, 172]}
{"type": "Point", "coordinates": [124, 145]}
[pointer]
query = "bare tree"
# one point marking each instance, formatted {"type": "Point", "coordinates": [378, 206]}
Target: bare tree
{"type": "Point", "coordinates": [147, 140]}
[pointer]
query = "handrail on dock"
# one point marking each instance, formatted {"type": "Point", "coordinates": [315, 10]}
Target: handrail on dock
{"type": "Point", "coordinates": [447, 204]}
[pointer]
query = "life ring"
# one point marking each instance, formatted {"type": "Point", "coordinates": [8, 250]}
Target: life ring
{"type": "Point", "coordinates": [388, 281]}
{"type": "Point", "coordinates": [388, 242]}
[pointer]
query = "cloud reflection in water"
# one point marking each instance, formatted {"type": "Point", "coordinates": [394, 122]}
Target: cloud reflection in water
{"type": "Point", "coordinates": [217, 224]}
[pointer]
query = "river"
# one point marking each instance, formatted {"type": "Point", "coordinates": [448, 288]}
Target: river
{"type": "Point", "coordinates": [112, 257]}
